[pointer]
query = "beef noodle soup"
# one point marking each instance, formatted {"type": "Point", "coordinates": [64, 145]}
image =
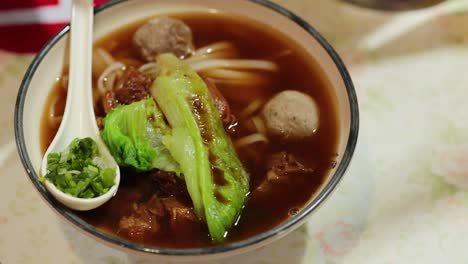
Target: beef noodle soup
{"type": "Point", "coordinates": [275, 106]}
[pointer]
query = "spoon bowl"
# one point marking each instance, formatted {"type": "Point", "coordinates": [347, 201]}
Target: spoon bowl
{"type": "Point", "coordinates": [79, 118]}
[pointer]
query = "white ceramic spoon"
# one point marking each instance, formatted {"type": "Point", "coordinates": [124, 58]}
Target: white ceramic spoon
{"type": "Point", "coordinates": [79, 119]}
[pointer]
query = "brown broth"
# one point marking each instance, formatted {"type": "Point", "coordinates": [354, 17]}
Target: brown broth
{"type": "Point", "coordinates": [297, 71]}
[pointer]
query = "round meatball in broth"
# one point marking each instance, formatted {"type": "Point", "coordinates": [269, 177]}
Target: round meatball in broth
{"type": "Point", "coordinates": [291, 116]}
{"type": "Point", "coordinates": [163, 35]}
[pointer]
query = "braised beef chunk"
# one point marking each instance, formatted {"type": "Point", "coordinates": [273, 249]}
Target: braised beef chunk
{"type": "Point", "coordinates": [285, 164]}
{"type": "Point", "coordinates": [179, 215]}
{"type": "Point", "coordinates": [148, 219]}
{"type": "Point", "coordinates": [156, 206]}
{"type": "Point", "coordinates": [133, 86]}
{"type": "Point", "coordinates": [168, 183]}
{"type": "Point", "coordinates": [168, 205]}
{"type": "Point", "coordinates": [109, 101]}
{"type": "Point", "coordinates": [221, 103]}
{"type": "Point", "coordinates": [123, 204]}
{"type": "Point", "coordinates": [281, 166]}
{"type": "Point", "coordinates": [144, 221]}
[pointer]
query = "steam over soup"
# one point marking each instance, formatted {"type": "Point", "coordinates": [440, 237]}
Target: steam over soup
{"type": "Point", "coordinates": [222, 128]}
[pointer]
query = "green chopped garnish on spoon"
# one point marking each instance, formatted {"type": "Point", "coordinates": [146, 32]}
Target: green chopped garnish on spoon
{"type": "Point", "coordinates": [77, 170]}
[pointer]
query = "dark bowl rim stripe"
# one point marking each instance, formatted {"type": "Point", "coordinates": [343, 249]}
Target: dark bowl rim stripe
{"type": "Point", "coordinates": [69, 215]}
{"type": "Point", "coordinates": [392, 7]}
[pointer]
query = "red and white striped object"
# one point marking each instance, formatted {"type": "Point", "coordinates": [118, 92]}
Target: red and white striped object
{"type": "Point", "coordinates": [26, 25]}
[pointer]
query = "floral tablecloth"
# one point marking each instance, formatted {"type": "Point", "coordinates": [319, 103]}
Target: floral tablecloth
{"type": "Point", "coordinates": [404, 198]}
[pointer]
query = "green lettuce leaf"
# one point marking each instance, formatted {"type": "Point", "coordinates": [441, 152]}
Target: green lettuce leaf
{"type": "Point", "coordinates": [216, 180]}
{"type": "Point", "coordinates": [134, 135]}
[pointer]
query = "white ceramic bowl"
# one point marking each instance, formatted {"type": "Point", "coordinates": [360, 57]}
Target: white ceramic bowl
{"type": "Point", "coordinates": [47, 66]}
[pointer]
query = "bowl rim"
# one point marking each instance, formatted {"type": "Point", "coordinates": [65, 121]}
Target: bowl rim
{"type": "Point", "coordinates": [91, 230]}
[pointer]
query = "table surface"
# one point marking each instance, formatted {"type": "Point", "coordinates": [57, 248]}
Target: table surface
{"type": "Point", "coordinates": [403, 200]}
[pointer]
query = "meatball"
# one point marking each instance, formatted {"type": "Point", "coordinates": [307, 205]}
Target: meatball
{"type": "Point", "coordinates": [291, 116]}
{"type": "Point", "coordinates": [163, 35]}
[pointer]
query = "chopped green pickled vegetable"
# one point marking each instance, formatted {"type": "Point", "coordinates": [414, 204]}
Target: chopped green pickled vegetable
{"type": "Point", "coordinates": [75, 171]}
{"type": "Point", "coordinates": [134, 133]}
{"type": "Point", "coordinates": [216, 180]}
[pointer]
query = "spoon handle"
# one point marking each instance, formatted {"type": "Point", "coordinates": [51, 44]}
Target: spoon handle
{"type": "Point", "coordinates": [79, 104]}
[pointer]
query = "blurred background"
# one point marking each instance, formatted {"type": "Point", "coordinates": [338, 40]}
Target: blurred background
{"type": "Point", "coordinates": [27, 24]}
